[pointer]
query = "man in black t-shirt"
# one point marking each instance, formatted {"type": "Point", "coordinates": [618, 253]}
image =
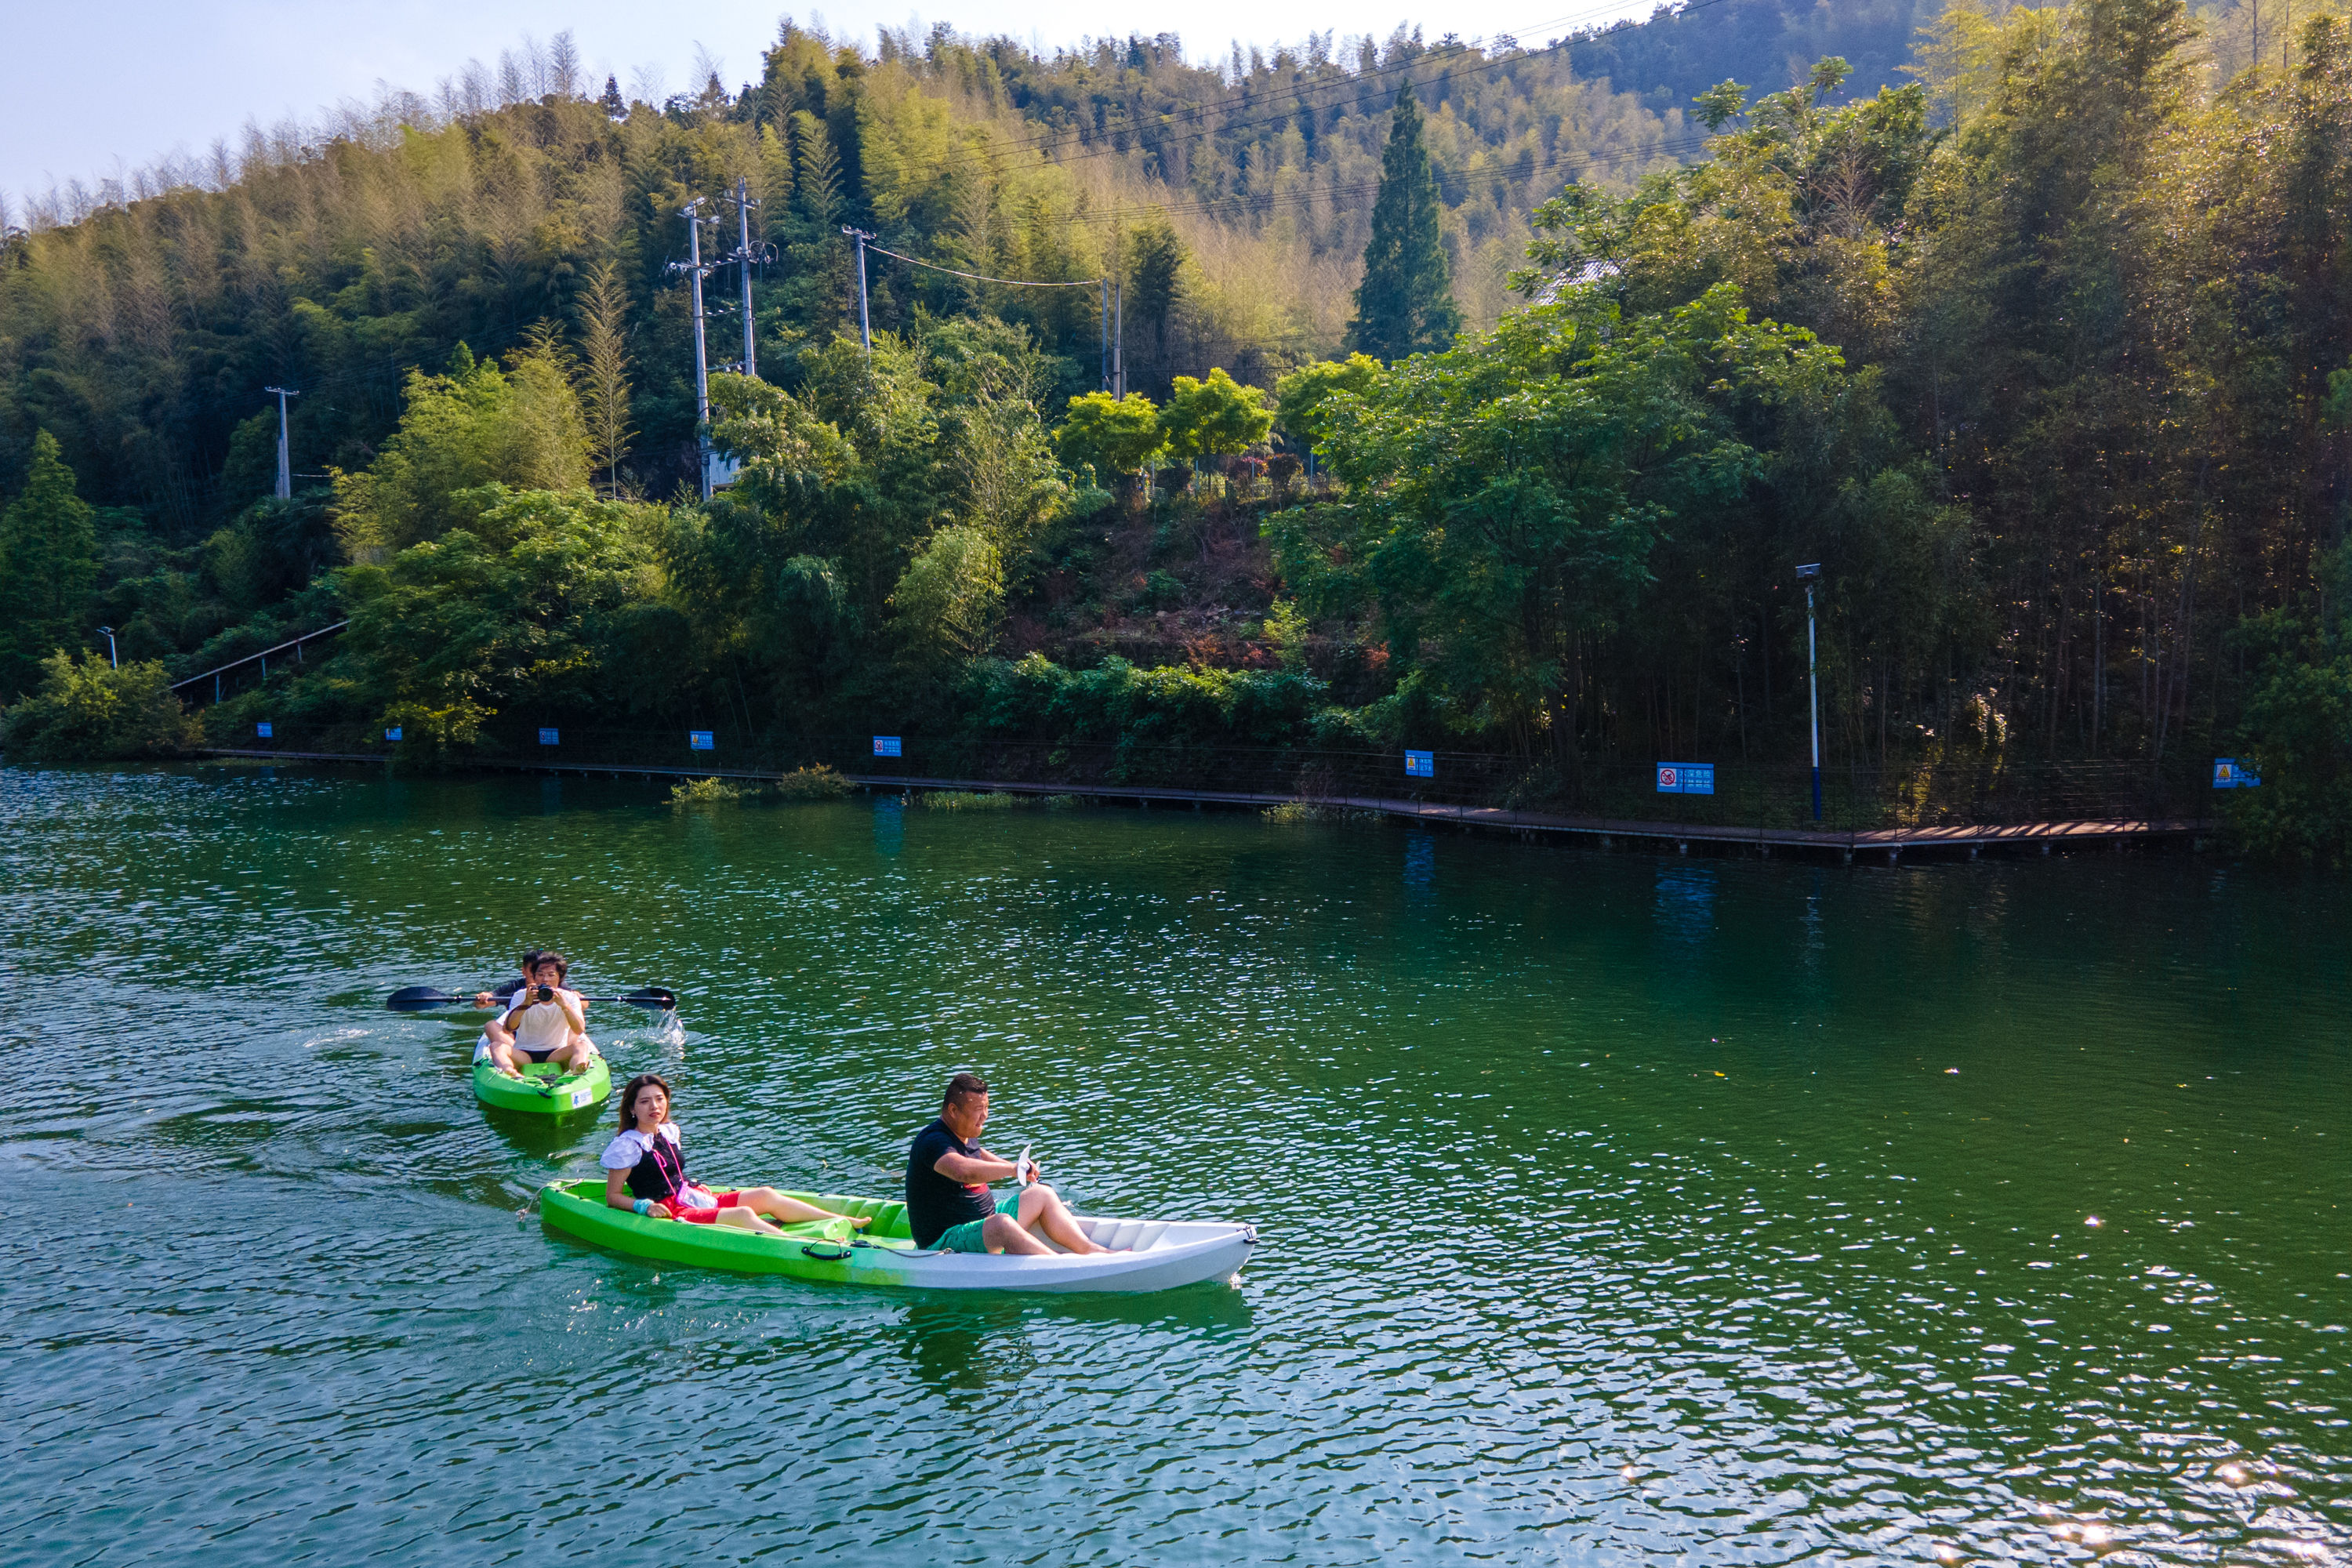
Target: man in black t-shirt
{"type": "Point", "coordinates": [947, 1206]}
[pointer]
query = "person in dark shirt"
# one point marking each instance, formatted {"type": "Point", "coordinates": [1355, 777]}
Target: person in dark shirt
{"type": "Point", "coordinates": [947, 1206]}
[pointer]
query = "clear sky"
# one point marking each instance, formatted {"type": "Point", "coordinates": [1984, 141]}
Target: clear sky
{"type": "Point", "coordinates": [85, 94]}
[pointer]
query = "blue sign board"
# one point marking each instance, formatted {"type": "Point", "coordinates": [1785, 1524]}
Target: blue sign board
{"type": "Point", "coordinates": [1686, 778]}
{"type": "Point", "coordinates": [699, 740]}
{"type": "Point", "coordinates": [2231, 774]}
{"type": "Point", "coordinates": [547, 737]}
{"type": "Point", "coordinates": [888, 746]}
{"type": "Point", "coordinates": [262, 729]}
{"type": "Point", "coordinates": [393, 733]}
{"type": "Point", "coordinates": [1420, 764]}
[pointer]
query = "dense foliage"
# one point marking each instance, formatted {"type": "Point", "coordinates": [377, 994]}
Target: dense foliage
{"type": "Point", "coordinates": [2047, 359]}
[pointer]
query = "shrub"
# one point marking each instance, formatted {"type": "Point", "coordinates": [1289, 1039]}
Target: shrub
{"type": "Point", "coordinates": [85, 709]}
{"type": "Point", "coordinates": [951, 800]}
{"type": "Point", "coordinates": [1291, 813]}
{"type": "Point", "coordinates": [819, 783]}
{"type": "Point", "coordinates": [704, 792]}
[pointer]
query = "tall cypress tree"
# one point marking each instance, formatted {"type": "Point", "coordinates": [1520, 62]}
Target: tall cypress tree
{"type": "Point", "coordinates": [1405, 303]}
{"type": "Point", "coordinates": [49, 565]}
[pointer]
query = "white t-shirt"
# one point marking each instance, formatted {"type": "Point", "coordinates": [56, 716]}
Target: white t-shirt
{"type": "Point", "coordinates": [624, 1152]}
{"type": "Point", "coordinates": [543, 1026]}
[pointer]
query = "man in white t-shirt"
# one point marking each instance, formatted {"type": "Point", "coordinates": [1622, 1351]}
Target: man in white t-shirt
{"type": "Point", "coordinates": [544, 1022]}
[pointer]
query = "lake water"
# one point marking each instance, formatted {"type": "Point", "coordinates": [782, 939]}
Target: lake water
{"type": "Point", "coordinates": [1613, 1208]}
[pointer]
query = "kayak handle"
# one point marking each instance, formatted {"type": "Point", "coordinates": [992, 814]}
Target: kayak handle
{"type": "Point", "coordinates": [837, 1252]}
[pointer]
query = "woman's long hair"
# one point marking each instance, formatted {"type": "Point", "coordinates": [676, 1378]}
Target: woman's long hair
{"type": "Point", "coordinates": [629, 1095]}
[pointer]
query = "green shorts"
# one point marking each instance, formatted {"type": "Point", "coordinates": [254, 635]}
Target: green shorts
{"type": "Point", "coordinates": [966, 1237]}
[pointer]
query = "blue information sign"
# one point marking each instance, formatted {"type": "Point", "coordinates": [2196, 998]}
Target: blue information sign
{"type": "Point", "coordinates": [699, 740]}
{"type": "Point", "coordinates": [1686, 778]}
{"type": "Point", "coordinates": [2231, 774]}
{"type": "Point", "coordinates": [888, 746]}
{"type": "Point", "coordinates": [393, 733]}
{"type": "Point", "coordinates": [262, 729]}
{"type": "Point", "coordinates": [547, 737]}
{"type": "Point", "coordinates": [1420, 764]}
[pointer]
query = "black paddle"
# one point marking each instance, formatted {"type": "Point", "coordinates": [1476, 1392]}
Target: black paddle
{"type": "Point", "coordinates": [418, 998]}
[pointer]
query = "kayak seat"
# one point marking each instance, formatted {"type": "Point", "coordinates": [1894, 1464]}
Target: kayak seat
{"type": "Point", "coordinates": [1126, 1234]}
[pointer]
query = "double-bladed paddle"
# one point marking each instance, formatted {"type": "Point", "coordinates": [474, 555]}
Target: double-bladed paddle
{"type": "Point", "coordinates": [418, 998]}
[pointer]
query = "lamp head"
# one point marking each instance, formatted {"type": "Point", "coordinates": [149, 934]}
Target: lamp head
{"type": "Point", "coordinates": [1808, 574]}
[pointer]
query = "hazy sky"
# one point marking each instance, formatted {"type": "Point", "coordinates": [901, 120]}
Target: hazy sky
{"type": "Point", "coordinates": [86, 94]}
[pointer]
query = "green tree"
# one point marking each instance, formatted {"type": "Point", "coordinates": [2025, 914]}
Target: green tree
{"type": "Point", "coordinates": [1155, 285]}
{"type": "Point", "coordinates": [1507, 499]}
{"type": "Point", "coordinates": [1115, 437]}
{"type": "Point", "coordinates": [1300, 396]}
{"type": "Point", "coordinates": [1218, 415]}
{"type": "Point", "coordinates": [478, 426]}
{"type": "Point", "coordinates": [1009, 484]}
{"type": "Point", "coordinates": [604, 373]}
{"type": "Point", "coordinates": [1405, 303]}
{"type": "Point", "coordinates": [947, 602]}
{"type": "Point", "coordinates": [87, 709]}
{"type": "Point", "coordinates": [48, 566]}
{"type": "Point", "coordinates": [452, 632]}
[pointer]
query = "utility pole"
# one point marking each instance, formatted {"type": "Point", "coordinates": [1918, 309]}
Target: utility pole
{"type": "Point", "coordinates": [693, 268]}
{"type": "Point", "coordinates": [108, 633]}
{"type": "Point", "coordinates": [743, 259]}
{"type": "Point", "coordinates": [1106, 334]}
{"type": "Point", "coordinates": [285, 463]}
{"type": "Point", "coordinates": [865, 331]}
{"type": "Point", "coordinates": [1808, 575]}
{"type": "Point", "coordinates": [1118, 341]}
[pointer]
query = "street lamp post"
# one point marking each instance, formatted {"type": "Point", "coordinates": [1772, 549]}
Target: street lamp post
{"type": "Point", "coordinates": [108, 633]}
{"type": "Point", "coordinates": [1808, 575]}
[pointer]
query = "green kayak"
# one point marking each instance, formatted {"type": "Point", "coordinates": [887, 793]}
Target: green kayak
{"type": "Point", "coordinates": [546, 1089]}
{"type": "Point", "coordinates": [1147, 1255]}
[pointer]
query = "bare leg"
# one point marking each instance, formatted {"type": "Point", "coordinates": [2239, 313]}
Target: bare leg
{"type": "Point", "coordinates": [741, 1218]}
{"type": "Point", "coordinates": [502, 1057]}
{"type": "Point", "coordinates": [1042, 1209]}
{"type": "Point", "coordinates": [1003, 1234]}
{"type": "Point", "coordinates": [775, 1206]}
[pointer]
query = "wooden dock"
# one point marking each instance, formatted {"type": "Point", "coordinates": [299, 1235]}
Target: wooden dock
{"type": "Point", "coordinates": [1890, 843]}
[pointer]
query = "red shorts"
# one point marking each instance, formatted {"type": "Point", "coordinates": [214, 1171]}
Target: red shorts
{"type": "Point", "coordinates": [706, 1216]}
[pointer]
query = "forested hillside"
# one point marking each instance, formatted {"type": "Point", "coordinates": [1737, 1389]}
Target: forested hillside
{"type": "Point", "coordinates": [2047, 359]}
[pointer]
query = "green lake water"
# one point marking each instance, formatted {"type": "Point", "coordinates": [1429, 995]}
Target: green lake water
{"type": "Point", "coordinates": [1614, 1208]}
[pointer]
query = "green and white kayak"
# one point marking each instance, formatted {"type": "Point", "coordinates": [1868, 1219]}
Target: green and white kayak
{"type": "Point", "coordinates": [545, 1089]}
{"type": "Point", "coordinates": [1147, 1255]}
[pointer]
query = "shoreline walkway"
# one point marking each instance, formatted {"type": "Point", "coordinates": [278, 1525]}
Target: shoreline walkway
{"type": "Point", "coordinates": [1892, 843]}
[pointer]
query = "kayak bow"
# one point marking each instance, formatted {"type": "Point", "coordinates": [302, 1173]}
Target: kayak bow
{"type": "Point", "coordinates": [545, 1089]}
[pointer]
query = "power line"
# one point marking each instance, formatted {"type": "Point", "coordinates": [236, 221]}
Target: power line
{"type": "Point", "coordinates": [979, 277]}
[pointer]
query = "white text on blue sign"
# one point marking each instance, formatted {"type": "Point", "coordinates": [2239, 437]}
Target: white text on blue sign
{"type": "Point", "coordinates": [1420, 764]}
{"type": "Point", "coordinates": [1686, 778]}
{"type": "Point", "coordinates": [888, 746]}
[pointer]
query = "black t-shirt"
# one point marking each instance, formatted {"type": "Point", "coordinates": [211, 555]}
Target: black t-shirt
{"type": "Point", "coordinates": [934, 1203]}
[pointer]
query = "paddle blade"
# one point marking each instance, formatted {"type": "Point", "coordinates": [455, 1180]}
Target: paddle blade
{"type": "Point", "coordinates": [417, 998]}
{"type": "Point", "coordinates": [653, 997]}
